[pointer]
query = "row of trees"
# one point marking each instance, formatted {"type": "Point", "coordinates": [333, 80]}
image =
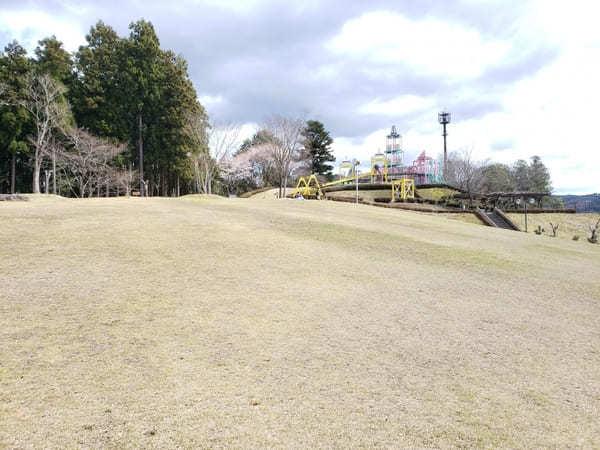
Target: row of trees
{"type": "Point", "coordinates": [283, 147]}
{"type": "Point", "coordinates": [471, 175]}
{"type": "Point", "coordinates": [126, 97]}
{"type": "Point", "coordinates": [121, 114]}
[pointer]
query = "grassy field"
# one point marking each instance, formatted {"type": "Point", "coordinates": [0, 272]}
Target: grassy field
{"type": "Point", "coordinates": [195, 322]}
{"type": "Point", "coordinates": [569, 225]}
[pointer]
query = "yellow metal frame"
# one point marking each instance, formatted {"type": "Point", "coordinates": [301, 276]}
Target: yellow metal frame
{"type": "Point", "coordinates": [347, 165]}
{"type": "Point", "coordinates": [344, 180]}
{"type": "Point", "coordinates": [379, 159]}
{"type": "Point", "coordinates": [403, 189]}
{"type": "Point", "coordinates": [308, 186]}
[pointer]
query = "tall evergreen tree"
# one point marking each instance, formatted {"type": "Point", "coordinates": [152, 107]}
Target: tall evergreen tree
{"type": "Point", "coordinates": [539, 176]}
{"type": "Point", "coordinates": [54, 60]}
{"type": "Point", "coordinates": [131, 90]}
{"type": "Point", "coordinates": [497, 178]}
{"type": "Point", "coordinates": [317, 144]}
{"type": "Point", "coordinates": [15, 121]}
{"type": "Point", "coordinates": [97, 92]}
{"type": "Point", "coordinates": [520, 173]}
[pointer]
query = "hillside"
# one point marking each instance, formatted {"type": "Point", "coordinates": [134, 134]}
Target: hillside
{"type": "Point", "coordinates": [209, 322]}
{"type": "Point", "coordinates": [582, 203]}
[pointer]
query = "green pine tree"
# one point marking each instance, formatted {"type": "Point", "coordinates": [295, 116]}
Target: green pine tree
{"type": "Point", "coordinates": [317, 143]}
{"type": "Point", "coordinates": [15, 122]}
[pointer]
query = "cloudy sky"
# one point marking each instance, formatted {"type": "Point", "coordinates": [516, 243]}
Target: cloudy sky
{"type": "Point", "coordinates": [519, 77]}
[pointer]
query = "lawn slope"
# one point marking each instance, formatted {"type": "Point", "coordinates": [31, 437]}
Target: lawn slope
{"type": "Point", "coordinates": [251, 323]}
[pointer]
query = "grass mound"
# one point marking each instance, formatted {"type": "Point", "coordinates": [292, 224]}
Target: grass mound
{"type": "Point", "coordinates": [161, 323]}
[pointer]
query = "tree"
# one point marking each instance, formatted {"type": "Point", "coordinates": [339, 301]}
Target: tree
{"type": "Point", "coordinates": [539, 176]}
{"type": "Point", "coordinates": [214, 145]}
{"type": "Point", "coordinates": [284, 148]}
{"type": "Point", "coordinates": [87, 163]}
{"type": "Point", "coordinates": [43, 100]}
{"type": "Point", "coordinates": [465, 172]}
{"type": "Point", "coordinates": [96, 94]}
{"type": "Point", "coordinates": [248, 170]}
{"type": "Point", "coordinates": [497, 178]}
{"type": "Point", "coordinates": [15, 123]}
{"type": "Point", "coordinates": [131, 90]}
{"type": "Point", "coordinates": [317, 144]}
{"type": "Point", "coordinates": [593, 239]}
{"type": "Point", "coordinates": [260, 137]}
{"type": "Point", "coordinates": [520, 174]}
{"type": "Point", "coordinates": [52, 59]}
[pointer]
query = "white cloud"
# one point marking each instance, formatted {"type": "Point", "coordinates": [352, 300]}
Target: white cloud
{"type": "Point", "coordinates": [428, 46]}
{"type": "Point", "coordinates": [552, 113]}
{"type": "Point", "coordinates": [403, 105]}
{"type": "Point", "coordinates": [28, 27]}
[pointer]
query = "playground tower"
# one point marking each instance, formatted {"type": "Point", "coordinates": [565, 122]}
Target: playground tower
{"type": "Point", "coordinates": [394, 153]}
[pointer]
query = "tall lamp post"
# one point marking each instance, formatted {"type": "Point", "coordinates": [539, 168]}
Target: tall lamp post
{"type": "Point", "coordinates": [444, 119]}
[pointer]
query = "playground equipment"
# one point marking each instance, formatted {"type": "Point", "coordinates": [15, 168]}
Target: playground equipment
{"type": "Point", "coordinates": [425, 170]}
{"type": "Point", "coordinates": [394, 153]}
{"type": "Point", "coordinates": [385, 168]}
{"type": "Point", "coordinates": [346, 169]}
{"type": "Point", "coordinates": [308, 187]}
{"type": "Point", "coordinates": [403, 189]}
{"type": "Point", "coordinates": [379, 168]}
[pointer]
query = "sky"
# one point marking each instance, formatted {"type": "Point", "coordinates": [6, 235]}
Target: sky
{"type": "Point", "coordinates": [520, 78]}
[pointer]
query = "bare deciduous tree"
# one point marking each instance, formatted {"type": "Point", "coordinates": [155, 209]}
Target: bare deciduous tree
{"type": "Point", "coordinates": [554, 229]}
{"type": "Point", "coordinates": [214, 144]}
{"type": "Point", "coordinates": [87, 162]}
{"type": "Point", "coordinates": [49, 112]}
{"type": "Point", "coordinates": [223, 139]}
{"type": "Point", "coordinates": [285, 146]}
{"type": "Point", "coordinates": [465, 172]}
{"type": "Point", "coordinates": [594, 232]}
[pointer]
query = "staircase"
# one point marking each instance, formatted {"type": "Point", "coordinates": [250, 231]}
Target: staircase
{"type": "Point", "coordinates": [500, 220]}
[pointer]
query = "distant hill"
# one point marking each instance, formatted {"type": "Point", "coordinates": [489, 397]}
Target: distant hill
{"type": "Point", "coordinates": [582, 203]}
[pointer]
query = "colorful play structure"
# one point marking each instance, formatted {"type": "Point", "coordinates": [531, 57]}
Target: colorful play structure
{"type": "Point", "coordinates": [386, 169]}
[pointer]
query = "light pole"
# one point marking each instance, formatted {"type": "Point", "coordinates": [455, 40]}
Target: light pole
{"type": "Point", "coordinates": [444, 119]}
{"type": "Point", "coordinates": [355, 164]}
{"type": "Point", "coordinates": [518, 202]}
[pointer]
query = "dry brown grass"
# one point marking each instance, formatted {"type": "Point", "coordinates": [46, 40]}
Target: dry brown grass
{"type": "Point", "coordinates": [270, 194]}
{"type": "Point", "coordinates": [569, 224]}
{"type": "Point", "coordinates": [370, 195]}
{"type": "Point", "coordinates": [435, 193]}
{"type": "Point", "coordinates": [234, 323]}
{"type": "Point", "coordinates": [465, 217]}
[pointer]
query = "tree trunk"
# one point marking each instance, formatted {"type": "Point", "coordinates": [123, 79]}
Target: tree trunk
{"type": "Point", "coordinates": [280, 185]}
{"type": "Point", "coordinates": [129, 181]}
{"type": "Point", "coordinates": [53, 170]}
{"type": "Point", "coordinates": [47, 182]}
{"type": "Point", "coordinates": [141, 151]}
{"type": "Point", "coordinates": [107, 188]}
{"type": "Point", "coordinates": [36, 177]}
{"type": "Point", "coordinates": [178, 192]}
{"type": "Point", "coordinates": [13, 168]}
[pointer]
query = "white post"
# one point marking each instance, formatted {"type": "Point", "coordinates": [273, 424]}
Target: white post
{"type": "Point", "coordinates": [355, 163]}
